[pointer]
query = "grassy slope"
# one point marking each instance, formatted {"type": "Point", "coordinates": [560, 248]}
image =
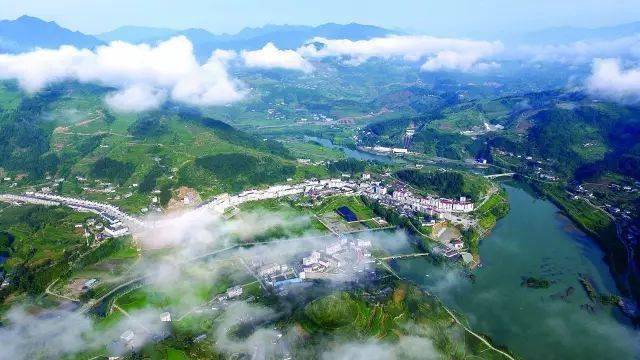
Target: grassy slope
{"type": "Point", "coordinates": [349, 317]}
{"type": "Point", "coordinates": [352, 202]}
{"type": "Point", "coordinates": [44, 238]}
{"type": "Point", "coordinates": [79, 116]}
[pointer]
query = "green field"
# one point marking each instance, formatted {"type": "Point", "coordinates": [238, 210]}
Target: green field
{"type": "Point", "coordinates": [352, 202]}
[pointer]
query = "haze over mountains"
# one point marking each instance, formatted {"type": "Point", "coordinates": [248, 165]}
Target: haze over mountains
{"type": "Point", "coordinates": [26, 33]}
{"type": "Point", "coordinates": [563, 35]}
{"type": "Point", "coordinates": [283, 36]}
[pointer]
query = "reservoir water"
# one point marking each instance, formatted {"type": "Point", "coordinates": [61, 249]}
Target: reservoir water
{"type": "Point", "coordinates": [355, 154]}
{"type": "Point", "coordinates": [534, 239]}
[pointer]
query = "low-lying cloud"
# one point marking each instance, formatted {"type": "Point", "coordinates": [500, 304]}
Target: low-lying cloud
{"type": "Point", "coordinates": [51, 334]}
{"type": "Point", "coordinates": [408, 347]}
{"type": "Point", "coordinates": [28, 335]}
{"type": "Point", "coordinates": [438, 53]}
{"type": "Point", "coordinates": [611, 81]}
{"type": "Point", "coordinates": [270, 57]}
{"type": "Point", "coordinates": [143, 76]}
{"type": "Point", "coordinates": [198, 247]}
{"type": "Point", "coordinates": [580, 52]}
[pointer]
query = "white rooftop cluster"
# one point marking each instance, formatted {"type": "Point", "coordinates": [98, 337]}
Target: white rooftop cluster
{"type": "Point", "coordinates": [328, 186]}
{"type": "Point", "coordinates": [338, 261]}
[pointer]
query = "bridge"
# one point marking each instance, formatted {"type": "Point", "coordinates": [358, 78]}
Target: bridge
{"type": "Point", "coordinates": [495, 176]}
{"type": "Point", "coordinates": [405, 256]}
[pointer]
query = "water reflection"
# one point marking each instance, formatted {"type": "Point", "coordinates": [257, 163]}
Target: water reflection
{"type": "Point", "coordinates": [355, 154]}
{"type": "Point", "coordinates": [549, 323]}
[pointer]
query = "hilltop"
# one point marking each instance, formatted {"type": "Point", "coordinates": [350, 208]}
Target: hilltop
{"type": "Point", "coordinates": [26, 33]}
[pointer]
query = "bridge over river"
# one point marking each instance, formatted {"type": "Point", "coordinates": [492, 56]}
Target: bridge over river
{"type": "Point", "coordinates": [495, 176]}
{"type": "Point", "coordinates": [403, 256]}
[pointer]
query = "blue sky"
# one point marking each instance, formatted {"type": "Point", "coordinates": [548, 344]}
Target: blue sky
{"type": "Point", "coordinates": [474, 18]}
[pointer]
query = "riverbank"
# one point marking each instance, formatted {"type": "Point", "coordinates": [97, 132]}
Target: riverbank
{"type": "Point", "coordinates": [493, 209]}
{"type": "Point", "coordinates": [533, 240]}
{"type": "Point", "coordinates": [603, 230]}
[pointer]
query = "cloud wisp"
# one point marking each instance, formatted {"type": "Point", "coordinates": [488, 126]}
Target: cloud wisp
{"type": "Point", "coordinates": [198, 249]}
{"type": "Point", "coordinates": [56, 333]}
{"type": "Point", "coordinates": [579, 52]}
{"type": "Point", "coordinates": [270, 57]}
{"type": "Point", "coordinates": [143, 76]}
{"type": "Point", "coordinates": [611, 81]}
{"type": "Point", "coordinates": [437, 53]}
{"type": "Point", "coordinates": [408, 347]}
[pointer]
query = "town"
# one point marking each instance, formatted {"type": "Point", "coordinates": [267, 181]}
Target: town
{"type": "Point", "coordinates": [397, 196]}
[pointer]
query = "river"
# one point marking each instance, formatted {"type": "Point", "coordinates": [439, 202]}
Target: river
{"type": "Point", "coordinates": [355, 154]}
{"type": "Point", "coordinates": [534, 239]}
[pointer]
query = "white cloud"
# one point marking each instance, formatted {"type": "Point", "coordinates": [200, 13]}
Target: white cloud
{"type": "Point", "coordinates": [136, 98]}
{"type": "Point", "coordinates": [408, 347]}
{"type": "Point", "coordinates": [270, 57]}
{"type": "Point", "coordinates": [225, 56]}
{"type": "Point", "coordinates": [52, 334]}
{"type": "Point", "coordinates": [144, 76]}
{"type": "Point", "coordinates": [581, 52]}
{"type": "Point", "coordinates": [609, 80]}
{"type": "Point", "coordinates": [27, 336]}
{"type": "Point", "coordinates": [439, 53]}
{"type": "Point", "coordinates": [451, 60]}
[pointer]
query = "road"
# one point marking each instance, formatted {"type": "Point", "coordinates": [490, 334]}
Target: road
{"type": "Point", "coordinates": [467, 329]}
{"type": "Point", "coordinates": [479, 337]}
{"type": "Point", "coordinates": [49, 292]}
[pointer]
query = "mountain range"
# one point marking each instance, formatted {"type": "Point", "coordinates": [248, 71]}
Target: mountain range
{"type": "Point", "coordinates": [564, 35]}
{"type": "Point", "coordinates": [283, 36]}
{"type": "Point", "coordinates": [26, 33]}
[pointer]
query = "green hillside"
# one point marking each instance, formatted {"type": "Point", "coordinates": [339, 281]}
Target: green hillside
{"type": "Point", "coordinates": [67, 133]}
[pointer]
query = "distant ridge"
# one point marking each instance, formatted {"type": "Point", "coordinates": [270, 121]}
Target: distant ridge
{"type": "Point", "coordinates": [136, 34]}
{"type": "Point", "coordinates": [563, 35]}
{"type": "Point", "coordinates": [283, 36]}
{"type": "Point", "coordinates": [26, 33]}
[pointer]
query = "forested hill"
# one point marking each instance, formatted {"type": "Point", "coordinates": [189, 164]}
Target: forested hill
{"type": "Point", "coordinates": [27, 33]}
{"type": "Point", "coordinates": [580, 137]}
{"type": "Point", "coordinates": [67, 133]}
{"type": "Point", "coordinates": [589, 140]}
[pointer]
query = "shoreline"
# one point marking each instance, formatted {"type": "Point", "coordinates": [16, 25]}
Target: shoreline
{"type": "Point", "coordinates": [603, 240]}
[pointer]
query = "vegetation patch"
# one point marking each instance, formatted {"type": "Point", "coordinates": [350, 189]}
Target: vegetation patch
{"type": "Point", "coordinates": [237, 171]}
{"type": "Point", "coordinates": [148, 125]}
{"type": "Point", "coordinates": [112, 170]}
{"type": "Point", "coordinates": [332, 311]}
{"type": "Point", "coordinates": [535, 283]}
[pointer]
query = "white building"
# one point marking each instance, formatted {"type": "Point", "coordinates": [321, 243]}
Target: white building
{"type": "Point", "coordinates": [382, 149]}
{"type": "Point", "coordinates": [269, 269]}
{"type": "Point", "coordinates": [165, 317]}
{"type": "Point", "coordinates": [364, 243]}
{"type": "Point", "coordinates": [234, 292]}
{"type": "Point", "coordinates": [116, 230]}
{"type": "Point", "coordinates": [311, 259]}
{"type": "Point", "coordinates": [457, 244]}
{"type": "Point", "coordinates": [333, 248]}
{"type": "Point", "coordinates": [381, 190]}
